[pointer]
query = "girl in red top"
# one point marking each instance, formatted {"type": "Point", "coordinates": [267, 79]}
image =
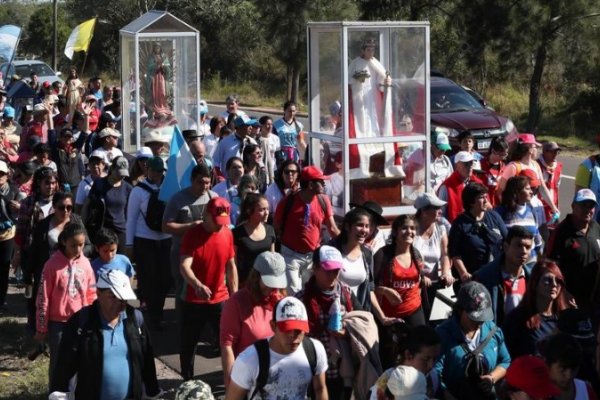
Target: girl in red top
{"type": "Point", "coordinates": [398, 275]}
{"type": "Point", "coordinates": [492, 165]}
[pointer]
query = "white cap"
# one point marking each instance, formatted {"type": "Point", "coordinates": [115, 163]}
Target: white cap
{"type": "Point", "coordinates": [584, 195]}
{"type": "Point", "coordinates": [290, 315]}
{"type": "Point", "coordinates": [442, 142]}
{"type": "Point", "coordinates": [98, 154]}
{"type": "Point", "coordinates": [463, 156]}
{"type": "Point", "coordinates": [271, 267]}
{"type": "Point", "coordinates": [39, 108]}
{"type": "Point", "coordinates": [428, 199]}
{"type": "Point", "coordinates": [109, 132]}
{"type": "Point", "coordinates": [117, 282]}
{"type": "Point", "coordinates": [3, 167]}
{"type": "Point", "coordinates": [144, 152]}
{"type": "Point", "coordinates": [330, 258]}
{"type": "Point", "coordinates": [407, 383]}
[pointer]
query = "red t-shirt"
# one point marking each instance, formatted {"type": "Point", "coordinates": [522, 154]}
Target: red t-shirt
{"type": "Point", "coordinates": [210, 252]}
{"type": "Point", "coordinates": [302, 230]}
{"type": "Point", "coordinates": [405, 281]}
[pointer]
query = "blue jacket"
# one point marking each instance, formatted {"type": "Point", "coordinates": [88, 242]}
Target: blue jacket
{"type": "Point", "coordinates": [452, 362]}
{"type": "Point", "coordinates": [490, 276]}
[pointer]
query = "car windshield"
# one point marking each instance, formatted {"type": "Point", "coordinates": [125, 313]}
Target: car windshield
{"type": "Point", "coordinates": [446, 99]}
{"type": "Point", "coordinates": [38, 69]}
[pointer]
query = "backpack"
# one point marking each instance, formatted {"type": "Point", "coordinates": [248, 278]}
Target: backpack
{"type": "Point", "coordinates": [264, 362]}
{"type": "Point", "coordinates": [155, 210]}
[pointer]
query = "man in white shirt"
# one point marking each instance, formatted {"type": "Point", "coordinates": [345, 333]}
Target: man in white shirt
{"type": "Point", "coordinates": [290, 371]}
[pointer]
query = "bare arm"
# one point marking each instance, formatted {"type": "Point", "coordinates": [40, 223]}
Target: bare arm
{"type": "Point", "coordinates": [332, 227]}
{"type": "Point", "coordinates": [320, 387]}
{"type": "Point", "coordinates": [378, 312]}
{"type": "Point", "coordinates": [185, 267]}
{"type": "Point", "coordinates": [234, 392]}
{"type": "Point", "coordinates": [547, 197]}
{"type": "Point", "coordinates": [175, 228]}
{"type": "Point", "coordinates": [458, 264]}
{"type": "Point", "coordinates": [232, 276]}
{"type": "Point", "coordinates": [445, 263]}
{"type": "Point", "coordinates": [227, 359]}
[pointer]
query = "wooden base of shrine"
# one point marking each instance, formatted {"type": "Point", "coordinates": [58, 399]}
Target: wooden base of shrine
{"type": "Point", "coordinates": [387, 192]}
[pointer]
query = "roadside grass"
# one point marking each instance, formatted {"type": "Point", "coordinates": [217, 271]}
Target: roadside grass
{"type": "Point", "coordinates": [576, 145]}
{"type": "Point", "coordinates": [20, 379]}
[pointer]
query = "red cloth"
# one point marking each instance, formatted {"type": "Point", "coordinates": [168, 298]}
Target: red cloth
{"type": "Point", "coordinates": [455, 185]}
{"type": "Point", "coordinates": [210, 252]}
{"type": "Point", "coordinates": [302, 230]}
{"type": "Point", "coordinates": [94, 119]}
{"type": "Point", "coordinates": [551, 178]}
{"type": "Point", "coordinates": [490, 178]}
{"type": "Point", "coordinates": [244, 321]}
{"type": "Point", "coordinates": [405, 281]}
{"type": "Point", "coordinates": [318, 303]}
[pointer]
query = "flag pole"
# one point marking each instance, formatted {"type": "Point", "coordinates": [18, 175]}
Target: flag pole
{"type": "Point", "coordinates": [83, 66]}
{"type": "Point", "coordinates": [88, 47]}
{"type": "Point", "coordinates": [12, 58]}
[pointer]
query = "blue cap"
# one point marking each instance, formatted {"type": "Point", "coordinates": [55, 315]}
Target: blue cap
{"type": "Point", "coordinates": [9, 112]}
{"type": "Point", "coordinates": [244, 120]}
{"type": "Point", "coordinates": [203, 107]}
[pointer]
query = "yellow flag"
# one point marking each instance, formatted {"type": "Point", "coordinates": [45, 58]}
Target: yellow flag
{"type": "Point", "coordinates": [80, 38]}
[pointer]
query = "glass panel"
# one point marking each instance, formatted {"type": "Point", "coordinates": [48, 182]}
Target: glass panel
{"type": "Point", "coordinates": [327, 82]}
{"type": "Point", "coordinates": [129, 92]}
{"type": "Point", "coordinates": [185, 83]}
{"type": "Point", "coordinates": [407, 49]}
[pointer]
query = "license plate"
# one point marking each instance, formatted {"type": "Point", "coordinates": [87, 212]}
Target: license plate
{"type": "Point", "coordinates": [483, 144]}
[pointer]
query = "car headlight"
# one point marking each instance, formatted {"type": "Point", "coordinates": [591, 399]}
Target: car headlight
{"type": "Point", "coordinates": [509, 126]}
{"type": "Point", "coordinates": [447, 131]}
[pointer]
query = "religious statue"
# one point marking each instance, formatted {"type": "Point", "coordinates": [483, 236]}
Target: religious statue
{"type": "Point", "coordinates": [158, 74]}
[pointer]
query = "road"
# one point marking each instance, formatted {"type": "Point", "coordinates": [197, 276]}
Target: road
{"type": "Point", "coordinates": [570, 162]}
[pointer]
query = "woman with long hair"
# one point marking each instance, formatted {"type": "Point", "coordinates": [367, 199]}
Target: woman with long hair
{"type": "Point", "coordinates": [525, 156]}
{"type": "Point", "coordinates": [253, 165]}
{"type": "Point", "coordinates": [252, 235]}
{"type": "Point", "coordinates": [492, 165]}
{"type": "Point", "coordinates": [398, 274]}
{"type": "Point", "coordinates": [516, 209]}
{"type": "Point", "coordinates": [286, 182]}
{"type": "Point", "coordinates": [358, 261]}
{"type": "Point", "coordinates": [247, 314]}
{"type": "Point", "coordinates": [248, 184]}
{"type": "Point", "coordinates": [536, 316]}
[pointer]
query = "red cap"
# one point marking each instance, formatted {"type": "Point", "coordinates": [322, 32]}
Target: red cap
{"type": "Point", "coordinates": [531, 375]}
{"type": "Point", "coordinates": [220, 210]}
{"type": "Point", "coordinates": [528, 138]}
{"type": "Point", "coordinates": [532, 176]}
{"type": "Point", "coordinates": [312, 173]}
{"type": "Point", "coordinates": [46, 84]}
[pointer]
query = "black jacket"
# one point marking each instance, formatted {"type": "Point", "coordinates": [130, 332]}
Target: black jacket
{"type": "Point", "coordinates": [81, 350]}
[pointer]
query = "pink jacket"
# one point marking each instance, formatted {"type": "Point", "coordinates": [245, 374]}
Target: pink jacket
{"type": "Point", "coordinates": [65, 288]}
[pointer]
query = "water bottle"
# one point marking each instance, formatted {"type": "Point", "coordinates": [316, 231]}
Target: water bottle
{"type": "Point", "coordinates": [335, 315]}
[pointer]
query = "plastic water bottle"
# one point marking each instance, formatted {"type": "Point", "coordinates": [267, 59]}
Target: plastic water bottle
{"type": "Point", "coordinates": [335, 315]}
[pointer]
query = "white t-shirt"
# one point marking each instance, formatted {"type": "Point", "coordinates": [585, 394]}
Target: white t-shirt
{"type": "Point", "coordinates": [289, 374]}
{"type": "Point", "coordinates": [354, 273]}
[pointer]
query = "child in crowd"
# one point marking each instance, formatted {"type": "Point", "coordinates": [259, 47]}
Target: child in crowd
{"type": "Point", "coordinates": [42, 151]}
{"type": "Point", "coordinates": [67, 285]}
{"type": "Point", "coordinates": [467, 143]}
{"type": "Point", "coordinates": [563, 356]}
{"type": "Point", "coordinates": [106, 242]}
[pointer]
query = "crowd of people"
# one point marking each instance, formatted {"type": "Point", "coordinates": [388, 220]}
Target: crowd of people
{"type": "Point", "coordinates": [299, 302]}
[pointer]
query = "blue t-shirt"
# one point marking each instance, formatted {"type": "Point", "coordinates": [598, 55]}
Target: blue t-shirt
{"type": "Point", "coordinates": [119, 262]}
{"type": "Point", "coordinates": [116, 368]}
{"type": "Point", "coordinates": [288, 133]}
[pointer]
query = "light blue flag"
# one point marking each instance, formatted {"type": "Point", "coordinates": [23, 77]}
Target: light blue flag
{"type": "Point", "coordinates": [9, 35]}
{"type": "Point", "coordinates": [179, 167]}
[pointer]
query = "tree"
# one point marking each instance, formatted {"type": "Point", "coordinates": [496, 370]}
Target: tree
{"type": "Point", "coordinates": [37, 38]}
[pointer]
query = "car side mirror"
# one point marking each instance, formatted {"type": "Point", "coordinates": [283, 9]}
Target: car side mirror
{"type": "Point", "coordinates": [58, 73]}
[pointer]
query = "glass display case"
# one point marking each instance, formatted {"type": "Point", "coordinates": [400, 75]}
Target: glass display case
{"type": "Point", "coordinates": [369, 111]}
{"type": "Point", "coordinates": [160, 70]}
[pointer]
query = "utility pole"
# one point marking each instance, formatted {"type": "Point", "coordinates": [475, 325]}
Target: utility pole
{"type": "Point", "coordinates": [55, 32]}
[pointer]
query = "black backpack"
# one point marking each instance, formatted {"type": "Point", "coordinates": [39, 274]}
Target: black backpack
{"type": "Point", "coordinates": [155, 210]}
{"type": "Point", "coordinates": [264, 362]}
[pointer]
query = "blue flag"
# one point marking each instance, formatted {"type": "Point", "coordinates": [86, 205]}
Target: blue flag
{"type": "Point", "coordinates": [179, 167]}
{"type": "Point", "coordinates": [9, 35]}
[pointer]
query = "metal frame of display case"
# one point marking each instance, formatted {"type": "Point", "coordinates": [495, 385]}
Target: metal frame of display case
{"type": "Point", "coordinates": [149, 27]}
{"type": "Point", "coordinates": [344, 29]}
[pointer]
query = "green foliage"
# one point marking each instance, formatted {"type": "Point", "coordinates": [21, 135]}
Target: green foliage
{"type": "Point", "coordinates": [37, 38]}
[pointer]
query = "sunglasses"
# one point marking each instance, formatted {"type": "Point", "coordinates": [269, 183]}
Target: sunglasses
{"type": "Point", "coordinates": [63, 207]}
{"type": "Point", "coordinates": [550, 280]}
{"type": "Point", "coordinates": [290, 171]}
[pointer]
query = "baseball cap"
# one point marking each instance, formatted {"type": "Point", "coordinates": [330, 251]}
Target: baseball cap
{"type": "Point", "coordinates": [585, 195]}
{"type": "Point", "coordinates": [531, 375]}
{"type": "Point", "coordinates": [122, 166]}
{"type": "Point", "coordinates": [156, 164]}
{"type": "Point", "coordinates": [290, 315]}
{"type": "Point", "coordinates": [108, 116]}
{"type": "Point", "coordinates": [46, 84]}
{"type": "Point", "coordinates": [528, 138]}
{"type": "Point", "coordinates": [550, 146]}
{"type": "Point", "coordinates": [3, 167]}
{"type": "Point", "coordinates": [532, 176]}
{"type": "Point", "coordinates": [117, 282]}
{"type": "Point", "coordinates": [312, 173]}
{"type": "Point", "coordinates": [407, 383]}
{"type": "Point", "coordinates": [442, 142]}
{"type": "Point", "coordinates": [475, 299]}
{"type": "Point", "coordinates": [244, 120]}
{"type": "Point", "coordinates": [330, 258]}
{"type": "Point", "coordinates": [39, 108]}
{"type": "Point", "coordinates": [271, 267]}
{"type": "Point", "coordinates": [194, 389]}
{"type": "Point", "coordinates": [428, 199]}
{"type": "Point", "coordinates": [97, 154]}
{"type": "Point", "coordinates": [220, 210]}
{"type": "Point", "coordinates": [463, 156]}
{"type": "Point", "coordinates": [576, 323]}
{"type": "Point", "coordinates": [190, 134]}
{"type": "Point", "coordinates": [374, 209]}
{"type": "Point", "coordinates": [91, 97]}
{"type": "Point", "coordinates": [9, 112]}
{"type": "Point", "coordinates": [109, 132]}
{"type": "Point", "coordinates": [203, 109]}
{"type": "Point", "coordinates": [143, 152]}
